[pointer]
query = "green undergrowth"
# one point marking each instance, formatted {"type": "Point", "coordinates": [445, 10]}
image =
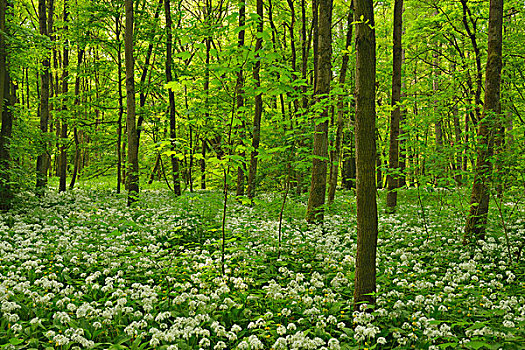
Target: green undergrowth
{"type": "Point", "coordinates": [81, 270]}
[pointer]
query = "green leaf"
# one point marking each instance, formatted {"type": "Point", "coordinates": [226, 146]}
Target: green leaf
{"type": "Point", "coordinates": [15, 341]}
{"type": "Point", "coordinates": [184, 55]}
{"type": "Point", "coordinates": [476, 344]}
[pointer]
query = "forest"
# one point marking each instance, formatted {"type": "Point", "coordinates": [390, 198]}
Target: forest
{"type": "Point", "coordinates": [266, 174]}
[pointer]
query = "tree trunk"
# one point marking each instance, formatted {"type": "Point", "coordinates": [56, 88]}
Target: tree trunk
{"type": "Point", "coordinates": [348, 172]}
{"type": "Point", "coordinates": [256, 136]}
{"type": "Point", "coordinates": [379, 166]}
{"type": "Point", "coordinates": [133, 146]}
{"type": "Point", "coordinates": [365, 269]}
{"type": "Point", "coordinates": [316, 199]}
{"type": "Point", "coordinates": [206, 102]}
{"type": "Point", "coordinates": [6, 102]}
{"type": "Point", "coordinates": [239, 92]}
{"type": "Point", "coordinates": [305, 46]}
{"type": "Point", "coordinates": [477, 52]}
{"type": "Point", "coordinates": [479, 200]}
{"type": "Point", "coordinates": [175, 166]}
{"type": "Point", "coordinates": [62, 168]}
{"type": "Point", "coordinates": [155, 169]}
{"type": "Point", "coordinates": [203, 164]}
{"type": "Point", "coordinates": [438, 127]}
{"type": "Point", "coordinates": [6, 193]}
{"type": "Point", "coordinates": [120, 101]}
{"type": "Point", "coordinates": [395, 116]}
{"type": "Point", "coordinates": [336, 153]}
{"type": "Point", "coordinates": [457, 153]}
{"type": "Point", "coordinates": [143, 92]}
{"type": "Point", "coordinates": [42, 162]}
{"type": "Point", "coordinates": [76, 164]}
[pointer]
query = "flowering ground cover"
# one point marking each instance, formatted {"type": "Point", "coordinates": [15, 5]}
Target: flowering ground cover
{"type": "Point", "coordinates": [81, 270]}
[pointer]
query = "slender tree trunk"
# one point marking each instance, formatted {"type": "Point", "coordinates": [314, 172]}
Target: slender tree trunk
{"type": "Point", "coordinates": [203, 163]}
{"type": "Point", "coordinates": [336, 153]}
{"type": "Point", "coordinates": [6, 193]}
{"type": "Point", "coordinates": [239, 92]}
{"type": "Point", "coordinates": [120, 101]}
{"type": "Point", "coordinates": [305, 44]}
{"type": "Point", "coordinates": [479, 200]}
{"type": "Point", "coordinates": [62, 169]}
{"type": "Point", "coordinates": [395, 116]}
{"type": "Point", "coordinates": [190, 129]}
{"type": "Point", "coordinates": [76, 165]}
{"type": "Point", "coordinates": [402, 180]}
{"type": "Point", "coordinates": [155, 169]}
{"type": "Point", "coordinates": [467, 16]}
{"type": "Point", "coordinates": [6, 102]}
{"type": "Point", "coordinates": [379, 167]}
{"type": "Point", "coordinates": [293, 61]}
{"type": "Point", "coordinates": [175, 166]}
{"type": "Point", "coordinates": [349, 166]}
{"type": "Point", "coordinates": [316, 199]}
{"type": "Point", "coordinates": [133, 146]}
{"type": "Point", "coordinates": [315, 40]}
{"type": "Point", "coordinates": [365, 268]}
{"type": "Point", "coordinates": [438, 127]}
{"type": "Point", "coordinates": [42, 163]}
{"type": "Point", "coordinates": [256, 137]}
{"type": "Point", "coordinates": [207, 100]}
{"type": "Point", "coordinates": [143, 92]}
{"type": "Point", "coordinates": [457, 135]}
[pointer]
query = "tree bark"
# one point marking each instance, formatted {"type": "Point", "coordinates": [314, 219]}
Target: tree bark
{"type": "Point", "coordinates": [392, 177]}
{"type": "Point", "coordinates": [76, 165]}
{"type": "Point", "coordinates": [6, 192]}
{"type": "Point", "coordinates": [143, 92]}
{"type": "Point", "coordinates": [316, 199]}
{"type": "Point", "coordinates": [42, 163]}
{"type": "Point", "coordinates": [479, 199]}
{"type": "Point", "coordinates": [6, 114]}
{"type": "Point", "coordinates": [120, 101]}
{"type": "Point", "coordinates": [239, 93]}
{"type": "Point", "coordinates": [365, 270]}
{"type": "Point", "coordinates": [256, 136]}
{"type": "Point", "coordinates": [207, 99]}
{"type": "Point", "coordinates": [3, 53]}
{"type": "Point", "coordinates": [336, 153]}
{"type": "Point", "coordinates": [62, 165]}
{"type": "Point", "coordinates": [202, 163]}
{"type": "Point", "coordinates": [175, 166]}
{"type": "Point", "coordinates": [477, 52]}
{"type": "Point", "coordinates": [133, 146]}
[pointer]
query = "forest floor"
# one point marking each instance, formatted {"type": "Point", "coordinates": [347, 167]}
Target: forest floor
{"type": "Point", "coordinates": [81, 270]}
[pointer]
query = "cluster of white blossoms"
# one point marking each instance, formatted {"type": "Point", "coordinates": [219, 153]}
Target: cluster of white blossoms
{"type": "Point", "coordinates": [91, 269]}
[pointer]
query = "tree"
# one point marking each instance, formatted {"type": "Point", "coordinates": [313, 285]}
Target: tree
{"type": "Point", "coordinates": [392, 178]}
{"type": "Point", "coordinates": [171, 95]}
{"type": "Point", "coordinates": [335, 155]}
{"type": "Point", "coordinates": [488, 127]}
{"type": "Point", "coordinates": [256, 136]}
{"type": "Point", "coordinates": [365, 116]}
{"type": "Point", "coordinates": [6, 114]}
{"type": "Point", "coordinates": [118, 29]}
{"type": "Point", "coordinates": [62, 165]}
{"type": "Point", "coordinates": [42, 162]}
{"type": "Point", "coordinates": [133, 145]}
{"type": "Point", "coordinates": [316, 199]}
{"type": "Point", "coordinates": [239, 92]}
